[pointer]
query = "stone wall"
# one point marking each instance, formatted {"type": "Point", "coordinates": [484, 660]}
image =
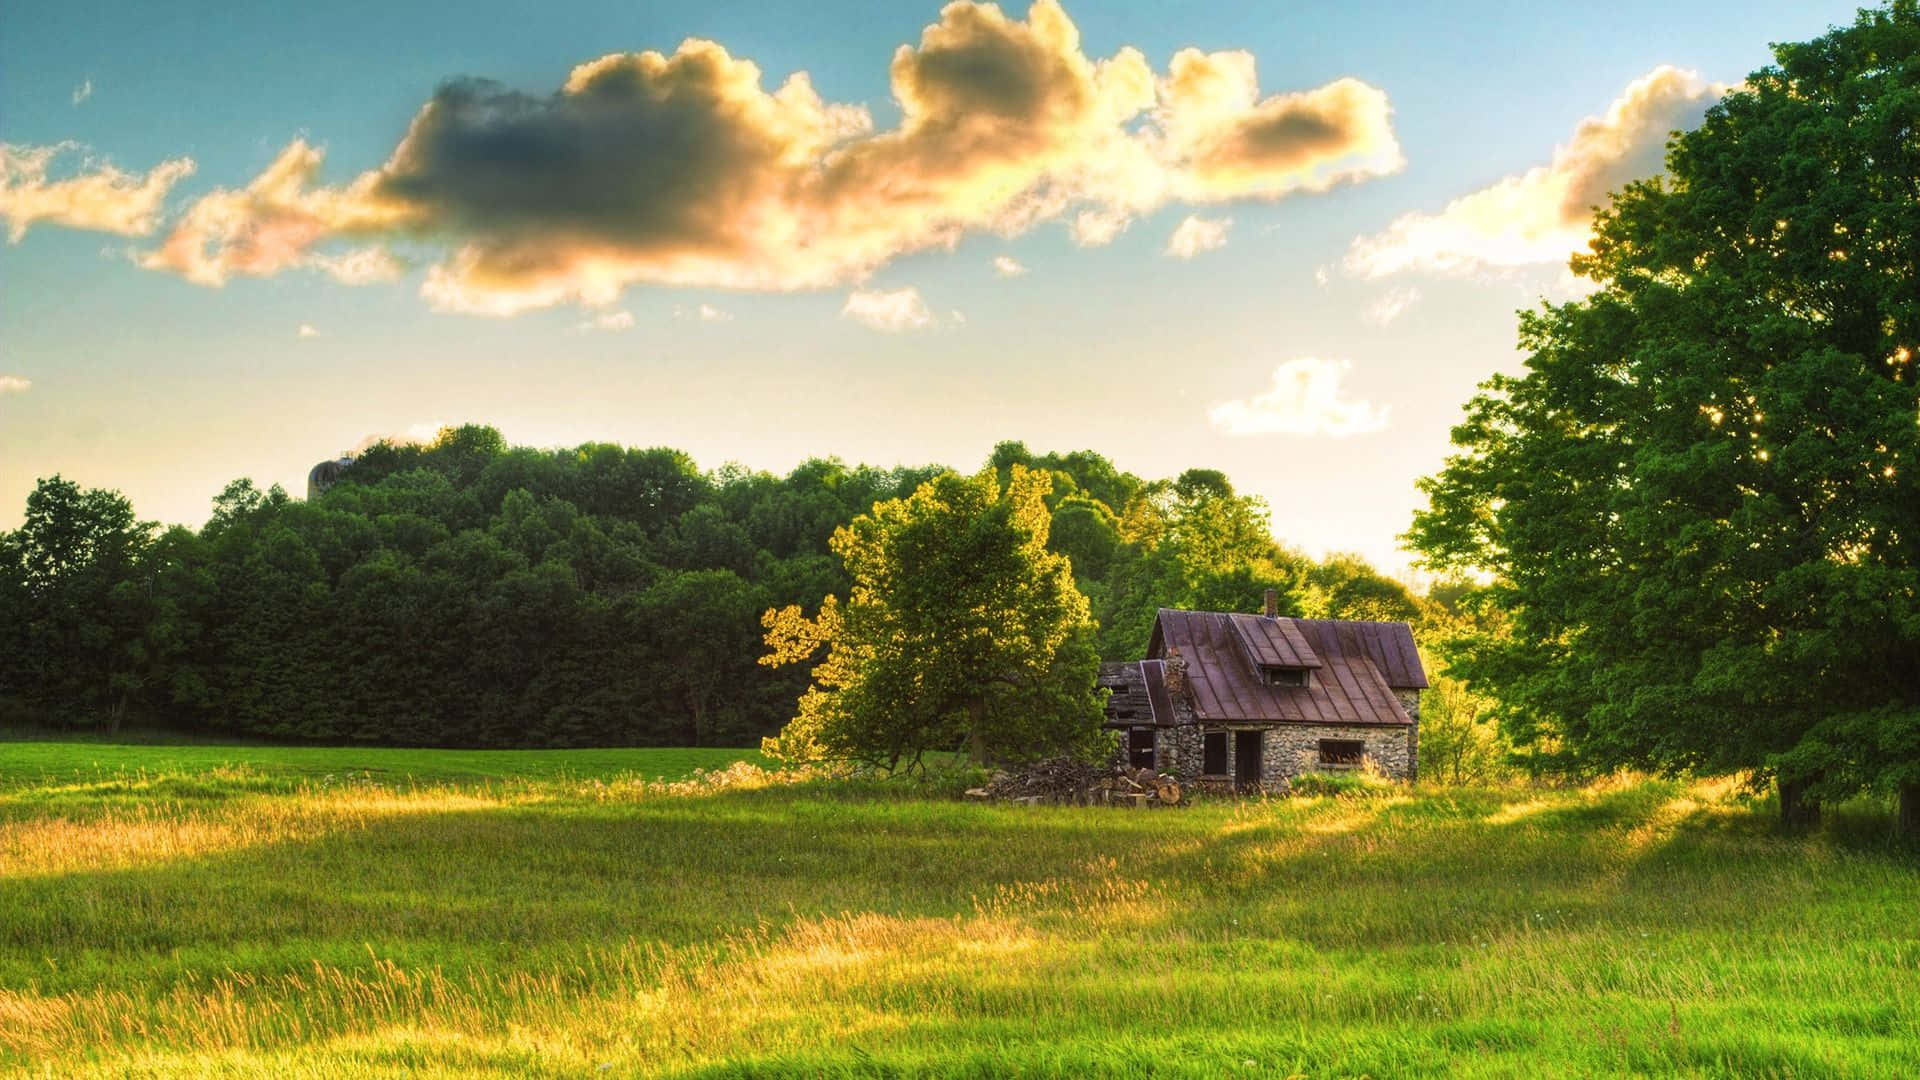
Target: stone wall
{"type": "Point", "coordinates": [1286, 751]}
{"type": "Point", "coordinates": [1295, 748]}
{"type": "Point", "coordinates": [1410, 701]}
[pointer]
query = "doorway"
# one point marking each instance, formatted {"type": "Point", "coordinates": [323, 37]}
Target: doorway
{"type": "Point", "coordinates": [1246, 759]}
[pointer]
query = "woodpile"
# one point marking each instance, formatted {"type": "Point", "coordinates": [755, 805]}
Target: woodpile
{"type": "Point", "coordinates": [1066, 782]}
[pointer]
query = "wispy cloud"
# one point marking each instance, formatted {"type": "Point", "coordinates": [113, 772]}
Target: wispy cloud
{"type": "Point", "coordinates": [307, 330]}
{"type": "Point", "coordinates": [1008, 266]}
{"type": "Point", "coordinates": [99, 197]}
{"type": "Point", "coordinates": [14, 384]}
{"type": "Point", "coordinates": [1197, 234]}
{"type": "Point", "coordinates": [1303, 399]}
{"type": "Point", "coordinates": [1391, 306]}
{"type": "Point", "coordinates": [1005, 123]}
{"type": "Point", "coordinates": [1545, 214]}
{"type": "Point", "coordinates": [889, 312]}
{"type": "Point", "coordinates": [83, 91]}
{"type": "Point", "coordinates": [703, 313]}
{"type": "Point", "coordinates": [611, 321]}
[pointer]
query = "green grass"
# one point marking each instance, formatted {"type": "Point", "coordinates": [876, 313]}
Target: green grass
{"type": "Point", "coordinates": [192, 921]}
{"type": "Point", "coordinates": [57, 761]}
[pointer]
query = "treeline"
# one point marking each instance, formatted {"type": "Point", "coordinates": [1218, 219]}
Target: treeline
{"type": "Point", "coordinates": [467, 593]}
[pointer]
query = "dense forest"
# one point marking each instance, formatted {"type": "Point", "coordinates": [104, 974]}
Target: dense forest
{"type": "Point", "coordinates": [468, 593]}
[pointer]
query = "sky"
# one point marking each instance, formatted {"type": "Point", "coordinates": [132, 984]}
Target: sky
{"type": "Point", "coordinates": [1286, 241]}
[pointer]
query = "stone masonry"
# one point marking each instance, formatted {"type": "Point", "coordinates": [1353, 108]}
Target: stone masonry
{"type": "Point", "coordinates": [1287, 750]}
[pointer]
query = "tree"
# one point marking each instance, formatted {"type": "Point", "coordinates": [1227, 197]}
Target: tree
{"type": "Point", "coordinates": [1701, 503]}
{"type": "Point", "coordinates": [85, 607]}
{"type": "Point", "coordinates": [961, 631]}
{"type": "Point", "coordinates": [702, 626]}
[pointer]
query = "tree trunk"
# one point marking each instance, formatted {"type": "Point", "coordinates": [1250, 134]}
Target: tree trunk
{"type": "Point", "coordinates": [1798, 809]}
{"type": "Point", "coordinates": [976, 732]}
{"type": "Point", "coordinates": [1906, 820]}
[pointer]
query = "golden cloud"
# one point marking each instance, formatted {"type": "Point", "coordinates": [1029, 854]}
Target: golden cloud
{"type": "Point", "coordinates": [274, 223]}
{"type": "Point", "coordinates": [1545, 214]}
{"type": "Point", "coordinates": [684, 170]}
{"type": "Point", "coordinates": [102, 199]}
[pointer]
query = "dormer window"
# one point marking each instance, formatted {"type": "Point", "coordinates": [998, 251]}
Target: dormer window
{"type": "Point", "coordinates": [1279, 676]}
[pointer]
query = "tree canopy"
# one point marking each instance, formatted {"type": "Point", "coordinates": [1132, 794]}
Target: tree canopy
{"type": "Point", "coordinates": [960, 630]}
{"type": "Point", "coordinates": [1700, 504]}
{"type": "Point", "coordinates": [466, 592]}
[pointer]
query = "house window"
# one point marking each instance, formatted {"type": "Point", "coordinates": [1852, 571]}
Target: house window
{"type": "Point", "coordinates": [1342, 752]}
{"type": "Point", "coordinates": [1213, 757]}
{"type": "Point", "coordinates": [1285, 676]}
{"type": "Point", "coordinates": [1140, 748]}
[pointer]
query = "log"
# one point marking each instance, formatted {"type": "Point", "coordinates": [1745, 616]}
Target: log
{"type": "Point", "coordinates": [1169, 791]}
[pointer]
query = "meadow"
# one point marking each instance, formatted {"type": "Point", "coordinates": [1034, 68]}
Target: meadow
{"type": "Point", "coordinates": [206, 910]}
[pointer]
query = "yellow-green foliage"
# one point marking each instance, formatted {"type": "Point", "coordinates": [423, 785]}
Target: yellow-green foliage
{"type": "Point", "coordinates": [960, 627]}
{"type": "Point", "coordinates": [201, 922]}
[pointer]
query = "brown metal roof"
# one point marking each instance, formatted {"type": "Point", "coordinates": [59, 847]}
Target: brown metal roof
{"type": "Point", "coordinates": [1352, 685]}
{"type": "Point", "coordinates": [1273, 642]}
{"type": "Point", "coordinates": [1388, 644]}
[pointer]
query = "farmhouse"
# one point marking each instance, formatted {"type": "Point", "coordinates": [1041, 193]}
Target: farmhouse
{"type": "Point", "coordinates": [1247, 702]}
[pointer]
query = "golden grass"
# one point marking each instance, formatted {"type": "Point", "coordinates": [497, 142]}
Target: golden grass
{"type": "Point", "coordinates": [1631, 926]}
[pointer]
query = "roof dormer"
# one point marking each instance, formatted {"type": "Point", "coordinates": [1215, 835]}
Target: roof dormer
{"type": "Point", "coordinates": [1275, 649]}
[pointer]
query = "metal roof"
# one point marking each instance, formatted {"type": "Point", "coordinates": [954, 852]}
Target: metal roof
{"type": "Point", "coordinates": [1273, 642]}
{"type": "Point", "coordinates": [1361, 664]}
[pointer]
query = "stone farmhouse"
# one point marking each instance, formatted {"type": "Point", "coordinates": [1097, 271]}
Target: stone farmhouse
{"type": "Point", "coordinates": [1226, 701]}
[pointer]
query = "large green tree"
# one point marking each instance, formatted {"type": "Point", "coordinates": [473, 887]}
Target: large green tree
{"type": "Point", "coordinates": [961, 631]}
{"type": "Point", "coordinates": [1701, 502]}
{"type": "Point", "coordinates": [78, 602]}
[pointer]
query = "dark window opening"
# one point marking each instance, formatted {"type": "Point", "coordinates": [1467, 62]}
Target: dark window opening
{"type": "Point", "coordinates": [1213, 759]}
{"type": "Point", "coordinates": [1140, 748]}
{"type": "Point", "coordinates": [1346, 752]}
{"type": "Point", "coordinates": [1285, 676]}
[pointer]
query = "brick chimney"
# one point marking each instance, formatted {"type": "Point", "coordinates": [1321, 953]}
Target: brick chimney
{"type": "Point", "coordinates": [1272, 604]}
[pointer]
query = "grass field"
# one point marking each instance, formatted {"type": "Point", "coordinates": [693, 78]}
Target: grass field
{"type": "Point", "coordinates": [205, 910]}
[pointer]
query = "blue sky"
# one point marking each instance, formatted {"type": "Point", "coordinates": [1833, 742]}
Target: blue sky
{"type": "Point", "coordinates": [1315, 344]}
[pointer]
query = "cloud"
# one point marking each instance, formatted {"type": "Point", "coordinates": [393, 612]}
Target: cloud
{"type": "Point", "coordinates": [1545, 214]}
{"type": "Point", "coordinates": [890, 312]}
{"type": "Point", "coordinates": [83, 91]}
{"type": "Point", "coordinates": [1303, 400]}
{"type": "Point", "coordinates": [1007, 266]}
{"type": "Point", "coordinates": [14, 384]}
{"type": "Point", "coordinates": [1231, 144]}
{"type": "Point", "coordinates": [1197, 234]}
{"type": "Point", "coordinates": [307, 331]}
{"type": "Point", "coordinates": [609, 321]}
{"type": "Point", "coordinates": [685, 170]}
{"type": "Point", "coordinates": [1391, 306]}
{"type": "Point", "coordinates": [361, 266]}
{"type": "Point", "coordinates": [274, 224]}
{"type": "Point", "coordinates": [100, 197]}
{"type": "Point", "coordinates": [1097, 228]}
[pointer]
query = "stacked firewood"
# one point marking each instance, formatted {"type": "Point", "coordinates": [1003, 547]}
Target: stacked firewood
{"type": "Point", "coordinates": [1065, 781]}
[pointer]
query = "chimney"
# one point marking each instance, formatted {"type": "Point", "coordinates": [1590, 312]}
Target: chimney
{"type": "Point", "coordinates": [1273, 604]}
{"type": "Point", "coordinates": [1174, 672]}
